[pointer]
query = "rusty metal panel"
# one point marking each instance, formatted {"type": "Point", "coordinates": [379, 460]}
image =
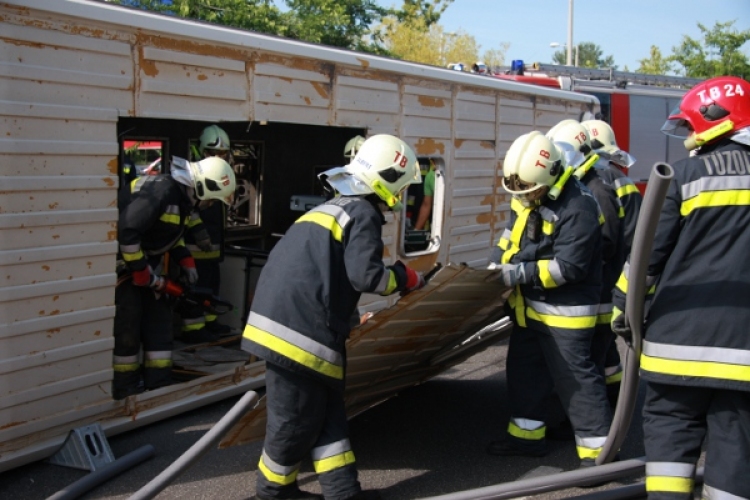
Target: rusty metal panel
{"type": "Point", "coordinates": [549, 112]}
{"type": "Point", "coordinates": [291, 94]}
{"type": "Point", "coordinates": [475, 116]}
{"type": "Point", "coordinates": [380, 99]}
{"type": "Point", "coordinates": [182, 85]}
{"type": "Point", "coordinates": [423, 334]}
{"type": "Point", "coordinates": [41, 64]}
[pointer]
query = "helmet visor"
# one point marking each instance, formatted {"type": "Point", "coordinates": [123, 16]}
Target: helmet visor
{"type": "Point", "coordinates": [619, 157]}
{"type": "Point", "coordinates": [677, 125]}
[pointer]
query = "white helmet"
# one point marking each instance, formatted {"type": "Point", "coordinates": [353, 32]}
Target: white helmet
{"type": "Point", "coordinates": [573, 133]}
{"type": "Point", "coordinates": [214, 138]}
{"type": "Point", "coordinates": [532, 163]}
{"type": "Point", "coordinates": [353, 145]}
{"type": "Point", "coordinates": [384, 165]}
{"type": "Point", "coordinates": [603, 142]}
{"type": "Point", "coordinates": [213, 179]}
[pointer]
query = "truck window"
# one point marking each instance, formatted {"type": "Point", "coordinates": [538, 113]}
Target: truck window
{"type": "Point", "coordinates": [422, 217]}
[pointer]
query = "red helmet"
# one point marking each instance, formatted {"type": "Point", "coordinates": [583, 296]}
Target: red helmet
{"type": "Point", "coordinates": [710, 110]}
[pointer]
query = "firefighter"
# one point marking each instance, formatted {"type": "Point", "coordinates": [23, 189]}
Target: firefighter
{"type": "Point", "coordinates": [696, 349]}
{"type": "Point", "coordinates": [551, 254]}
{"type": "Point", "coordinates": [301, 317]}
{"type": "Point", "coordinates": [207, 247]}
{"type": "Point", "coordinates": [613, 168]}
{"type": "Point", "coordinates": [614, 250]}
{"type": "Point", "coordinates": [152, 224]}
{"type": "Point", "coordinates": [352, 146]}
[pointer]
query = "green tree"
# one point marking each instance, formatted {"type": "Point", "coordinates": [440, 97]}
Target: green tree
{"type": "Point", "coordinates": [719, 53]}
{"type": "Point", "coordinates": [655, 64]}
{"type": "Point", "coordinates": [494, 58]}
{"type": "Point", "coordinates": [588, 54]}
{"type": "Point", "coordinates": [427, 12]}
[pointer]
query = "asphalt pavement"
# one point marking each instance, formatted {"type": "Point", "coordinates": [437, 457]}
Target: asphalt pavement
{"type": "Point", "coordinates": [427, 441]}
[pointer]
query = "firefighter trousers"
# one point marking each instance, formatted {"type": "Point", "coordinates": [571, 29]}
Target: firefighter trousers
{"type": "Point", "coordinates": [193, 318]}
{"type": "Point", "coordinates": [141, 319]}
{"type": "Point", "coordinates": [607, 358]}
{"type": "Point", "coordinates": [557, 359]}
{"type": "Point", "coordinates": [305, 417]}
{"type": "Point", "coordinates": [676, 422]}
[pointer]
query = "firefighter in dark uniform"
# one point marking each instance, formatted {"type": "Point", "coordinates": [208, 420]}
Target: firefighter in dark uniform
{"type": "Point", "coordinates": [152, 224]}
{"type": "Point", "coordinates": [302, 313]}
{"type": "Point", "coordinates": [207, 247]}
{"type": "Point", "coordinates": [696, 349]}
{"type": "Point", "coordinates": [612, 168]}
{"type": "Point", "coordinates": [551, 253]}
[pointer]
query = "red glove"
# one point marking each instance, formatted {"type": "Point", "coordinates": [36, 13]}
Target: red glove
{"type": "Point", "coordinates": [414, 280]}
{"type": "Point", "coordinates": [145, 277]}
{"type": "Point", "coordinates": [188, 270]}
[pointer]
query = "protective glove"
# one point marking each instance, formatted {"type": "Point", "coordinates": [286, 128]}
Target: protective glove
{"type": "Point", "coordinates": [414, 280]}
{"type": "Point", "coordinates": [204, 245]}
{"type": "Point", "coordinates": [510, 274]}
{"type": "Point", "coordinates": [620, 326]}
{"type": "Point", "coordinates": [145, 277]}
{"type": "Point", "coordinates": [187, 264]}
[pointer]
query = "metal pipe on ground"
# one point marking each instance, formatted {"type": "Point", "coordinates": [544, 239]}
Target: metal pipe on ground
{"type": "Point", "coordinates": [209, 439]}
{"type": "Point", "coordinates": [554, 482]}
{"type": "Point", "coordinates": [643, 242]}
{"type": "Point", "coordinates": [97, 477]}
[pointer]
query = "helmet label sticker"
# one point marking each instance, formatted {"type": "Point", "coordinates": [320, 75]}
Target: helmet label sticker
{"type": "Point", "coordinates": [714, 93]}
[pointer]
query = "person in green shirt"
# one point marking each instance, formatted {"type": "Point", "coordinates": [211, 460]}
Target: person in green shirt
{"type": "Point", "coordinates": [425, 209]}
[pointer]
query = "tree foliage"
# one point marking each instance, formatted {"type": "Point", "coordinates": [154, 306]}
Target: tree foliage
{"type": "Point", "coordinates": [588, 54]}
{"type": "Point", "coordinates": [717, 54]}
{"type": "Point", "coordinates": [655, 64]}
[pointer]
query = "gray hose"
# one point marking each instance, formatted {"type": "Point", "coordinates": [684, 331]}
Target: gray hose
{"type": "Point", "coordinates": [643, 242]}
{"type": "Point", "coordinates": [209, 439]}
{"type": "Point", "coordinates": [553, 482]}
{"type": "Point", "coordinates": [99, 476]}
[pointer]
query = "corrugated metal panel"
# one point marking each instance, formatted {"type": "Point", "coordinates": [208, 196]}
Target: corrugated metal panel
{"type": "Point", "coordinates": [58, 165]}
{"type": "Point", "coordinates": [379, 97]}
{"type": "Point", "coordinates": [292, 94]}
{"type": "Point", "coordinates": [420, 336]}
{"type": "Point", "coordinates": [217, 88]}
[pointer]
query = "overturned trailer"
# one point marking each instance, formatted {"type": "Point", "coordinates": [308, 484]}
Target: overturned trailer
{"type": "Point", "coordinates": [83, 81]}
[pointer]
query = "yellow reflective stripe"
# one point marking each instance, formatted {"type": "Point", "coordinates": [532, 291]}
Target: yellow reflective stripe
{"type": "Point", "coordinates": [277, 478]}
{"type": "Point", "coordinates": [534, 435]}
{"type": "Point", "coordinates": [211, 317]}
{"type": "Point", "coordinates": [157, 363]}
{"type": "Point", "coordinates": [669, 484]}
{"type": "Point", "coordinates": [708, 199]}
{"type": "Point", "coordinates": [392, 283]}
{"type": "Point", "coordinates": [707, 369]}
{"type": "Point", "coordinates": [584, 452]}
{"type": "Point", "coordinates": [194, 221]}
{"type": "Point", "coordinates": [293, 352]}
{"type": "Point", "coordinates": [517, 303]}
{"type": "Point", "coordinates": [604, 318]}
{"type": "Point", "coordinates": [324, 220]}
{"type": "Point", "coordinates": [180, 243]}
{"type": "Point", "coordinates": [548, 227]}
{"type": "Point", "coordinates": [547, 280]}
{"type": "Point", "coordinates": [517, 231]}
{"type": "Point", "coordinates": [503, 243]}
{"type": "Point", "coordinates": [213, 254]}
{"type": "Point", "coordinates": [614, 378]}
{"type": "Point", "coordinates": [601, 219]}
{"type": "Point", "coordinates": [192, 327]}
{"type": "Point", "coordinates": [627, 189]}
{"type": "Point", "coordinates": [129, 257]}
{"type": "Point", "coordinates": [126, 367]}
{"type": "Point", "coordinates": [335, 462]}
{"type": "Point", "coordinates": [576, 322]}
{"type": "Point", "coordinates": [170, 218]}
{"type": "Point", "coordinates": [622, 283]}
{"type": "Point", "coordinates": [621, 213]}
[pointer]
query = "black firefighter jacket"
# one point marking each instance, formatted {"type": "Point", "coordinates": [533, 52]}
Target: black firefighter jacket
{"type": "Point", "coordinates": [559, 244]}
{"type": "Point", "coordinates": [698, 276]}
{"type": "Point", "coordinates": [309, 288]}
{"type": "Point", "coordinates": [153, 221]}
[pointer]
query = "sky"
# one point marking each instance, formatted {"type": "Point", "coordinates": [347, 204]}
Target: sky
{"type": "Point", "coordinates": [624, 29]}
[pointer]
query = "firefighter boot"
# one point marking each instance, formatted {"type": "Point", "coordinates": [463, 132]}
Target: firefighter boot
{"type": "Point", "coordinates": [292, 494]}
{"type": "Point", "coordinates": [218, 328]}
{"type": "Point", "coordinates": [157, 377]}
{"type": "Point", "coordinates": [126, 384]}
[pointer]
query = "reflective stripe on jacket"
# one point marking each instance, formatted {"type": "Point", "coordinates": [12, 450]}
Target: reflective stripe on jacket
{"type": "Point", "coordinates": [696, 329]}
{"type": "Point", "coordinates": [559, 244]}
{"type": "Point", "coordinates": [309, 288]}
{"type": "Point", "coordinates": [153, 221]}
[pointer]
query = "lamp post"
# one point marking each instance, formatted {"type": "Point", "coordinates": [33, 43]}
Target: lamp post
{"type": "Point", "coordinates": [570, 35]}
{"type": "Point", "coordinates": [554, 45]}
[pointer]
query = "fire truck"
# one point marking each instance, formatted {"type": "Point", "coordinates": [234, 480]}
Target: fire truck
{"type": "Point", "coordinates": [636, 105]}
